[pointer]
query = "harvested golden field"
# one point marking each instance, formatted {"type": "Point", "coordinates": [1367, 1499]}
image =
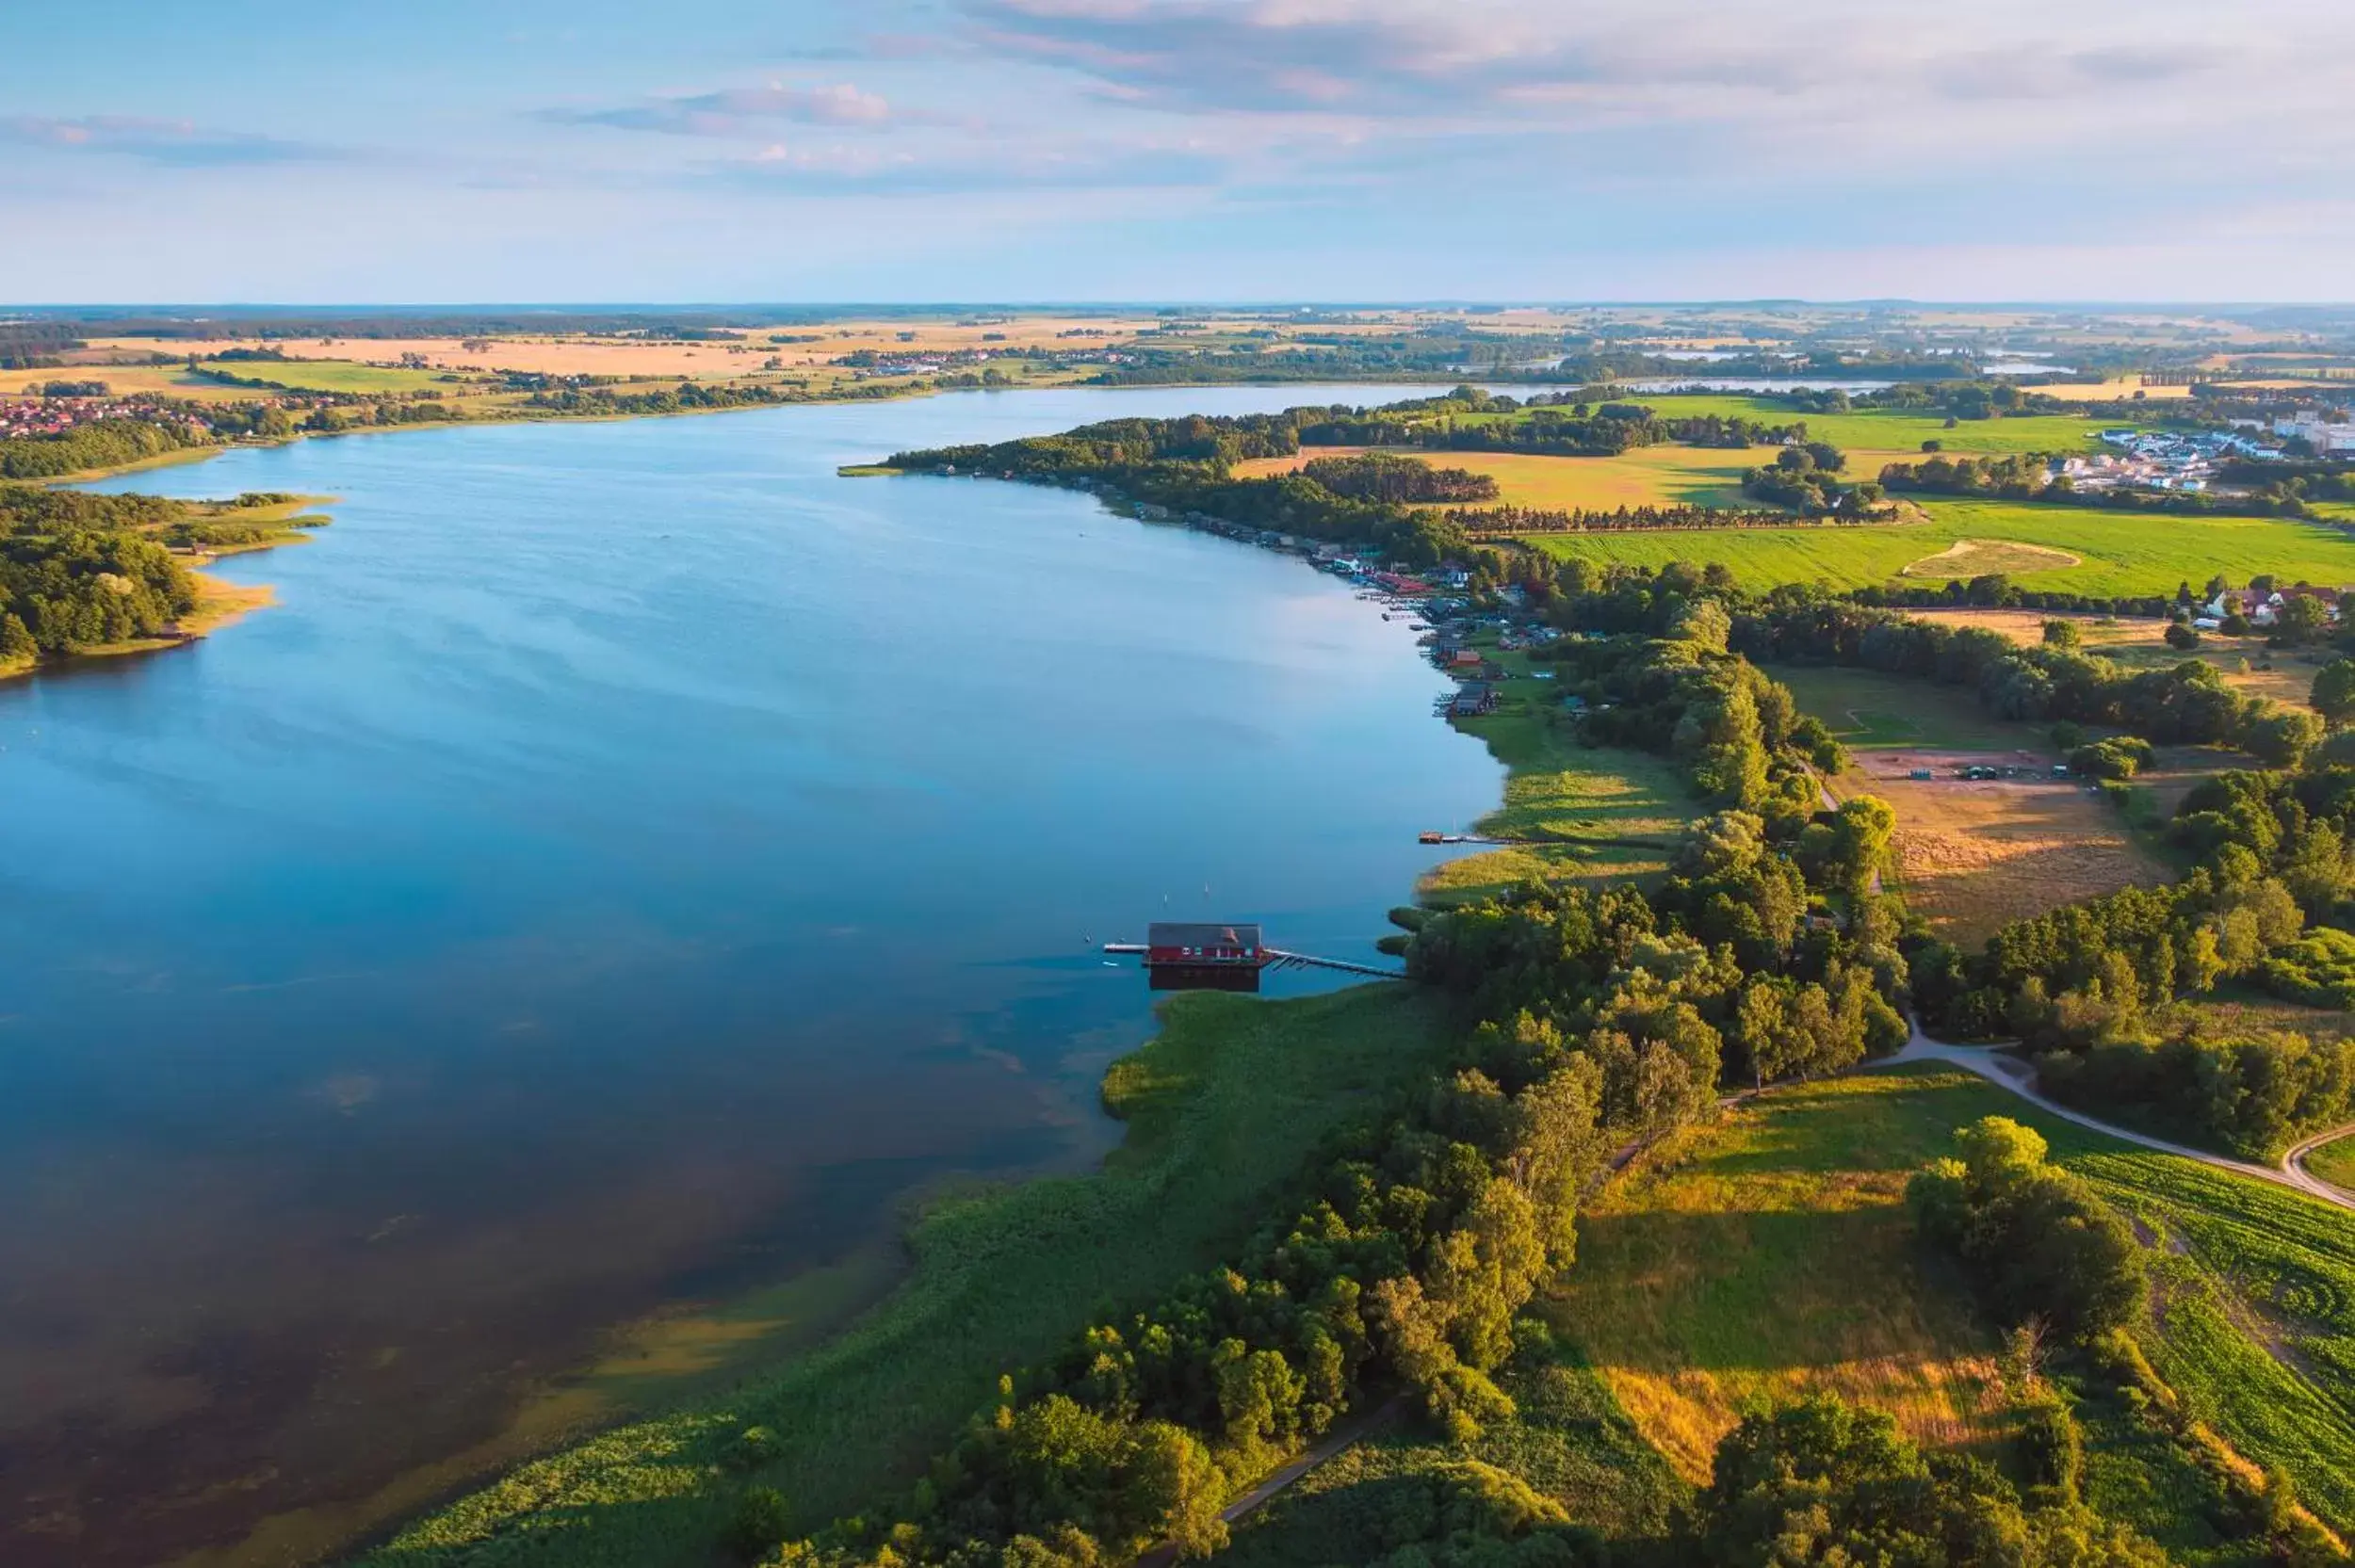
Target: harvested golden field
{"type": "Point", "coordinates": [567, 354]}
{"type": "Point", "coordinates": [1768, 1256]}
{"type": "Point", "coordinates": [168, 380]}
{"type": "Point", "coordinates": [2104, 391]}
{"type": "Point", "coordinates": [1648, 475]}
{"type": "Point", "coordinates": [1974, 854]}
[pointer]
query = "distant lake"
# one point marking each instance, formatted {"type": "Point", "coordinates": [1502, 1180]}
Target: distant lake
{"type": "Point", "coordinates": [626, 862]}
{"type": "Point", "coordinates": [1750, 383]}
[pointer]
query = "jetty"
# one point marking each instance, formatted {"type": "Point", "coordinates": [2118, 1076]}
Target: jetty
{"type": "Point", "coordinates": [1207, 955]}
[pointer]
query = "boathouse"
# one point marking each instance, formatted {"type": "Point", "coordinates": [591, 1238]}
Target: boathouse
{"type": "Point", "coordinates": [1195, 956]}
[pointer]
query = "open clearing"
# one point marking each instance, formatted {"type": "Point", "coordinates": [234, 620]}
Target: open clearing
{"type": "Point", "coordinates": [1973, 558]}
{"type": "Point", "coordinates": [1971, 854]}
{"type": "Point", "coordinates": [1770, 1256]}
{"type": "Point", "coordinates": [2116, 552]}
{"type": "Point", "coordinates": [1865, 709]}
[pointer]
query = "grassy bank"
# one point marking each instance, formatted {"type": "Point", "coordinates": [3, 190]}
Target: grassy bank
{"type": "Point", "coordinates": [1582, 812]}
{"type": "Point", "coordinates": [2335, 1163]}
{"type": "Point", "coordinates": [1223, 1108]}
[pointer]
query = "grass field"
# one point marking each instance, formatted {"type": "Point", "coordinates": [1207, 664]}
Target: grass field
{"type": "Point", "coordinates": [2116, 552]}
{"type": "Point", "coordinates": [1866, 710]}
{"type": "Point", "coordinates": [1221, 1108]}
{"type": "Point", "coordinates": [1770, 1256]}
{"type": "Point", "coordinates": [2335, 1163]}
{"type": "Point", "coordinates": [1890, 429]}
{"type": "Point", "coordinates": [1568, 1437]}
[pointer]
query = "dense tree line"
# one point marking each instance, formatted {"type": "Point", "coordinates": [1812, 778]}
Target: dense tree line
{"type": "Point", "coordinates": [35, 510]}
{"type": "Point", "coordinates": [101, 444]}
{"type": "Point", "coordinates": [1805, 478]}
{"type": "Point", "coordinates": [1511, 521]}
{"type": "Point", "coordinates": [63, 592]}
{"type": "Point", "coordinates": [2030, 478]}
{"type": "Point", "coordinates": [1384, 477]}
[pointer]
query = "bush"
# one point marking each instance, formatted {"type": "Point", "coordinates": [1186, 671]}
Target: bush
{"type": "Point", "coordinates": [2122, 757]}
{"type": "Point", "coordinates": [759, 1524]}
{"type": "Point", "coordinates": [2182, 636]}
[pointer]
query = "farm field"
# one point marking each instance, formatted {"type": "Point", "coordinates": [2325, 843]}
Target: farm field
{"type": "Point", "coordinates": [578, 354]}
{"type": "Point", "coordinates": [174, 381]}
{"type": "Point", "coordinates": [2118, 552]}
{"type": "Point", "coordinates": [1648, 476]}
{"type": "Point", "coordinates": [1221, 1106]}
{"type": "Point", "coordinates": [1971, 854]}
{"type": "Point", "coordinates": [2247, 665]}
{"type": "Point", "coordinates": [1890, 430]}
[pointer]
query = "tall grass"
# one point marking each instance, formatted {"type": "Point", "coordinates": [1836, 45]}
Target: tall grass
{"type": "Point", "coordinates": [1223, 1108]}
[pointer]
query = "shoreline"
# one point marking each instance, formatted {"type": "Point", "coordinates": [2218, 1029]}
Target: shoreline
{"type": "Point", "coordinates": [219, 604]}
{"type": "Point", "coordinates": [733, 1337]}
{"type": "Point", "coordinates": [539, 1461]}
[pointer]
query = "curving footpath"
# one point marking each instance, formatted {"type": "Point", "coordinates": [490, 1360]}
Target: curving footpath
{"type": "Point", "coordinates": [2017, 1077]}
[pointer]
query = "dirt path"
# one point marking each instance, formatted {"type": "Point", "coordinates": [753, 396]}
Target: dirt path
{"type": "Point", "coordinates": [2295, 1159]}
{"type": "Point", "coordinates": [2017, 1077]}
{"type": "Point", "coordinates": [1257, 1498]}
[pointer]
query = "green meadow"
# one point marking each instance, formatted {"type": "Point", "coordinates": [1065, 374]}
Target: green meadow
{"type": "Point", "coordinates": [330, 376]}
{"type": "Point", "coordinates": [1587, 812]}
{"type": "Point", "coordinates": [2118, 552]}
{"type": "Point", "coordinates": [2335, 1162]}
{"type": "Point", "coordinates": [1891, 430]}
{"type": "Point", "coordinates": [1866, 710]}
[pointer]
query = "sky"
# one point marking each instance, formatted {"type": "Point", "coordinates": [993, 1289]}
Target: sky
{"type": "Point", "coordinates": [157, 150]}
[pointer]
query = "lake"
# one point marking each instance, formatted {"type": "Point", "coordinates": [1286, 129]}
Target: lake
{"type": "Point", "coordinates": [626, 864]}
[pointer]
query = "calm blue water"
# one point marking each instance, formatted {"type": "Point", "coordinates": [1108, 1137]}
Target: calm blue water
{"type": "Point", "coordinates": [627, 860]}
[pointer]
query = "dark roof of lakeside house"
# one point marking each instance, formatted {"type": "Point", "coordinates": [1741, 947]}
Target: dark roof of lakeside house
{"type": "Point", "coordinates": [1179, 933]}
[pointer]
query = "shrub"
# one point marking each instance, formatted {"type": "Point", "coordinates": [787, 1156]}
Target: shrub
{"type": "Point", "coordinates": [759, 1524]}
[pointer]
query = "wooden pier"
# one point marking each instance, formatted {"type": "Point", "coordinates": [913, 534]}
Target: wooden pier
{"type": "Point", "coordinates": [1226, 957]}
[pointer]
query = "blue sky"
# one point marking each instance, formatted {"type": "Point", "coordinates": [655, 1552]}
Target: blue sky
{"type": "Point", "coordinates": [1009, 150]}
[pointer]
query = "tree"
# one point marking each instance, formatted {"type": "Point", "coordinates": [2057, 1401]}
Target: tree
{"type": "Point", "coordinates": [2284, 736]}
{"type": "Point", "coordinates": [2062, 634]}
{"type": "Point", "coordinates": [2181, 636]}
{"type": "Point", "coordinates": [2301, 620]}
{"type": "Point", "coordinates": [2333, 693]}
